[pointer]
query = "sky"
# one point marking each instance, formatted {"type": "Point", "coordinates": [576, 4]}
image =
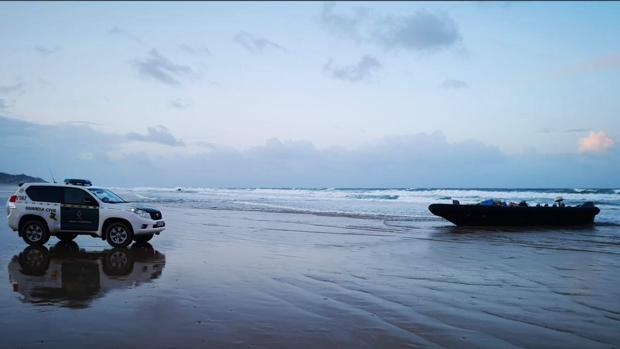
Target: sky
{"type": "Point", "coordinates": [346, 94]}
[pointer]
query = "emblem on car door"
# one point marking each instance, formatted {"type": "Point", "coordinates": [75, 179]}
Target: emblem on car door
{"type": "Point", "coordinates": [78, 214]}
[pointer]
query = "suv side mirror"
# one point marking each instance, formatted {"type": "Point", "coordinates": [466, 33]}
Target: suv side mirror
{"type": "Point", "coordinates": [90, 200]}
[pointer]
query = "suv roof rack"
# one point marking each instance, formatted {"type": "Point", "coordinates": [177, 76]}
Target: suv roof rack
{"type": "Point", "coordinates": [76, 181]}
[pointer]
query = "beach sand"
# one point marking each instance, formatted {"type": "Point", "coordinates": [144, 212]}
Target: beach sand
{"type": "Point", "coordinates": [224, 278]}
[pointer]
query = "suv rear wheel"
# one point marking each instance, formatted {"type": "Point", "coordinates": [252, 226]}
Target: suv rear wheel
{"type": "Point", "coordinates": [119, 234]}
{"type": "Point", "coordinates": [34, 232]}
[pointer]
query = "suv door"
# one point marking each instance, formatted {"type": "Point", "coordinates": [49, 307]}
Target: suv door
{"type": "Point", "coordinates": [45, 202]}
{"type": "Point", "coordinates": [79, 211]}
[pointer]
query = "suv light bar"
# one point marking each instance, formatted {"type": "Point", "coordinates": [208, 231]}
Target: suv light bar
{"type": "Point", "coordinates": [75, 181]}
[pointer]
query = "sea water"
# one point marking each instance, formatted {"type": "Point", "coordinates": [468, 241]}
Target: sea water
{"type": "Point", "coordinates": [397, 203]}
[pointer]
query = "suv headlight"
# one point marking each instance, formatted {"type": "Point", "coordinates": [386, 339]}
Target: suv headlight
{"type": "Point", "coordinates": [141, 213]}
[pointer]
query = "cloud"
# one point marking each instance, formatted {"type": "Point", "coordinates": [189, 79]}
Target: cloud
{"type": "Point", "coordinates": [576, 130]}
{"type": "Point", "coordinates": [46, 51]}
{"type": "Point", "coordinates": [125, 34]}
{"type": "Point", "coordinates": [3, 105]}
{"type": "Point", "coordinates": [595, 64]}
{"type": "Point", "coordinates": [79, 123]}
{"type": "Point", "coordinates": [595, 142]}
{"type": "Point", "coordinates": [568, 130]}
{"type": "Point", "coordinates": [255, 44]}
{"type": "Point", "coordinates": [17, 87]}
{"type": "Point", "coordinates": [35, 147]}
{"type": "Point", "coordinates": [454, 84]}
{"type": "Point", "coordinates": [414, 160]}
{"type": "Point", "coordinates": [419, 31]}
{"type": "Point", "coordinates": [203, 144]}
{"type": "Point", "coordinates": [178, 104]}
{"type": "Point", "coordinates": [194, 50]}
{"type": "Point", "coordinates": [161, 69]}
{"type": "Point", "coordinates": [343, 26]}
{"type": "Point", "coordinates": [158, 134]}
{"type": "Point", "coordinates": [362, 70]}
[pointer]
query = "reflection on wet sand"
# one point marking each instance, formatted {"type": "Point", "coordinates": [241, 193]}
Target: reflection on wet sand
{"type": "Point", "coordinates": [68, 276]}
{"type": "Point", "coordinates": [271, 280]}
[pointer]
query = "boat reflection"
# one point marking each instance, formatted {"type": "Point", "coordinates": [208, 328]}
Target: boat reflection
{"type": "Point", "coordinates": [68, 276]}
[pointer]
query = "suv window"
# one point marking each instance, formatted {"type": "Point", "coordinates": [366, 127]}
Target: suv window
{"type": "Point", "coordinates": [74, 196]}
{"type": "Point", "coordinates": [44, 193]}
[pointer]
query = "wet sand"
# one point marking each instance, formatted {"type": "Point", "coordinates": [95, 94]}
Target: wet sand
{"type": "Point", "coordinates": [222, 278]}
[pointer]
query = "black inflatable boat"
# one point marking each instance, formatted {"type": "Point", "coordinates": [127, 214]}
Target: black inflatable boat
{"type": "Point", "coordinates": [498, 215]}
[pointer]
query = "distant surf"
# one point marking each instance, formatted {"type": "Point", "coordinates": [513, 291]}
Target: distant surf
{"type": "Point", "coordinates": [400, 203]}
{"type": "Point", "coordinates": [374, 197]}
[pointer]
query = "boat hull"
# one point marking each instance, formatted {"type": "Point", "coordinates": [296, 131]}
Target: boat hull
{"type": "Point", "coordinates": [477, 215]}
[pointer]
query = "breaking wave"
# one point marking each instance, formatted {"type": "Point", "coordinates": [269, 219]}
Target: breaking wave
{"type": "Point", "coordinates": [376, 202]}
{"type": "Point", "coordinates": [374, 197]}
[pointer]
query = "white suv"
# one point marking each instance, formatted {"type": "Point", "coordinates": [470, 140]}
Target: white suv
{"type": "Point", "coordinates": [38, 210]}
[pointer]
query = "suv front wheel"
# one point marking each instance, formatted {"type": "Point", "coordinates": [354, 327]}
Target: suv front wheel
{"type": "Point", "coordinates": [119, 234]}
{"type": "Point", "coordinates": [34, 232]}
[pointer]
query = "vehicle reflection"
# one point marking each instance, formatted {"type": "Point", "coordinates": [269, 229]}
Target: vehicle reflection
{"type": "Point", "coordinates": [68, 276]}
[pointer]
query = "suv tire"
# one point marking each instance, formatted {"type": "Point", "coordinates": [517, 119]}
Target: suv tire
{"type": "Point", "coordinates": [119, 234]}
{"type": "Point", "coordinates": [35, 232]}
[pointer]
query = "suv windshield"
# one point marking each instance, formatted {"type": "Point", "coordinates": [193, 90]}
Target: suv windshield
{"type": "Point", "coordinates": [106, 196]}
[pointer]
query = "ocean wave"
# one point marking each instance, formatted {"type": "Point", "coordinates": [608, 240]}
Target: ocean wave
{"type": "Point", "coordinates": [401, 192]}
{"type": "Point", "coordinates": [162, 200]}
{"type": "Point", "coordinates": [366, 201]}
{"type": "Point", "coordinates": [403, 195]}
{"type": "Point", "coordinates": [597, 191]}
{"type": "Point", "coordinates": [373, 197]}
{"type": "Point", "coordinates": [519, 190]}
